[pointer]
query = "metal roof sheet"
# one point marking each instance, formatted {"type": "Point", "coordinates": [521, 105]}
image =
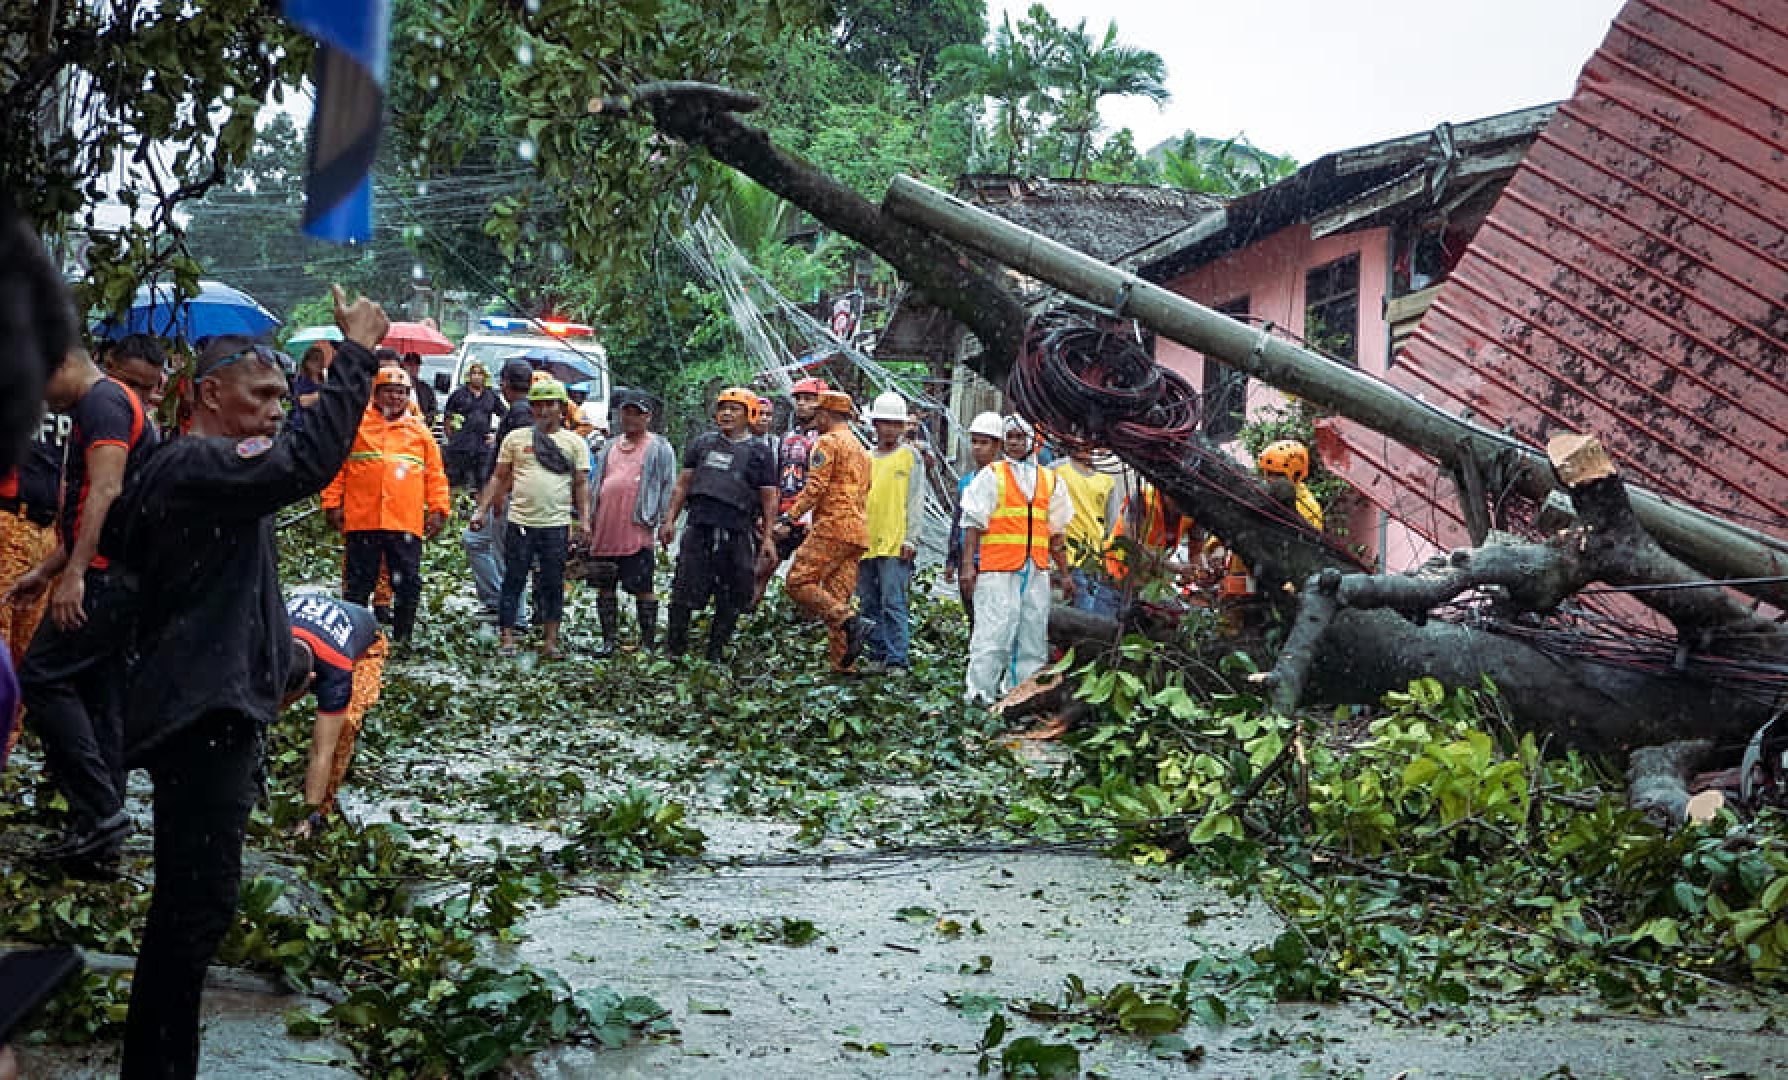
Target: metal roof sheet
{"type": "Point", "coordinates": [1632, 280]}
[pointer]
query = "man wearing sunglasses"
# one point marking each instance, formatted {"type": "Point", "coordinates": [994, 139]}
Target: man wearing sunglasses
{"type": "Point", "coordinates": [194, 528]}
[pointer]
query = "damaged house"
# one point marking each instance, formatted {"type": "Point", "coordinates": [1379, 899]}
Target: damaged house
{"type": "Point", "coordinates": [1345, 256]}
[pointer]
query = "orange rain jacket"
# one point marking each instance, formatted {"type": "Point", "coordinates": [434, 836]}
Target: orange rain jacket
{"type": "Point", "coordinates": [392, 477]}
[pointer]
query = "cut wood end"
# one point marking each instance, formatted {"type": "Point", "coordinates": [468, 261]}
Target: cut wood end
{"type": "Point", "coordinates": [1579, 459]}
{"type": "Point", "coordinates": [1701, 809]}
{"type": "Point", "coordinates": [1041, 683]}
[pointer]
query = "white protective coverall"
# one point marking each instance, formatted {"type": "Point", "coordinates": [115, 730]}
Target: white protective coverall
{"type": "Point", "coordinates": [1011, 637]}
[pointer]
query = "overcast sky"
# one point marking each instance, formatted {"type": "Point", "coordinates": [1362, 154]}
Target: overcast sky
{"type": "Point", "coordinates": [1306, 77]}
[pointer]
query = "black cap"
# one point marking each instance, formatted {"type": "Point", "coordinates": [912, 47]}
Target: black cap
{"type": "Point", "coordinates": [518, 374]}
{"type": "Point", "coordinates": [624, 396]}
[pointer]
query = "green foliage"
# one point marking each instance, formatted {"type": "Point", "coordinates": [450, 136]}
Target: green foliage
{"type": "Point", "coordinates": [630, 832]}
{"type": "Point", "coordinates": [1295, 419]}
{"type": "Point", "coordinates": [1222, 167]}
{"type": "Point", "coordinates": [189, 82]}
{"type": "Point", "coordinates": [1426, 854]}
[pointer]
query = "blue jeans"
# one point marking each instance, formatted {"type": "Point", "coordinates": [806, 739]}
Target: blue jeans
{"type": "Point", "coordinates": [484, 553]}
{"type": "Point", "coordinates": [542, 553]}
{"type": "Point", "coordinates": [1096, 595]}
{"type": "Point", "coordinates": [881, 595]}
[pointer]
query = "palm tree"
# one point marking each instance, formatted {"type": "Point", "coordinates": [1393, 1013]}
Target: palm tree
{"type": "Point", "coordinates": [1231, 167]}
{"type": "Point", "coordinates": [1087, 73]}
{"type": "Point", "coordinates": [1006, 73]}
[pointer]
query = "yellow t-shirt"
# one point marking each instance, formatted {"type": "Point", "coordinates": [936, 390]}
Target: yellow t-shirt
{"type": "Point", "coordinates": [1090, 495]}
{"type": "Point", "coordinates": [890, 490]}
{"type": "Point", "coordinates": [541, 498]}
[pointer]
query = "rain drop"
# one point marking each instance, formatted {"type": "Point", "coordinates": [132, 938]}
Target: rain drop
{"type": "Point", "coordinates": [524, 54]}
{"type": "Point", "coordinates": [439, 41]}
{"type": "Point", "coordinates": [525, 149]}
{"type": "Point", "coordinates": [422, 187]}
{"type": "Point", "coordinates": [555, 251]}
{"type": "Point", "coordinates": [533, 6]}
{"type": "Point", "coordinates": [434, 82]}
{"type": "Point", "coordinates": [418, 272]}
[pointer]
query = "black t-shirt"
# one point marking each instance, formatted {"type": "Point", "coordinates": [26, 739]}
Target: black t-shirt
{"type": "Point", "coordinates": [338, 633]}
{"type": "Point", "coordinates": [107, 415]}
{"type": "Point", "coordinates": [37, 481]}
{"type": "Point", "coordinates": [476, 412]}
{"type": "Point", "coordinates": [520, 415]}
{"type": "Point", "coordinates": [725, 490]}
{"type": "Point", "coordinates": [425, 400]}
{"type": "Point", "coordinates": [337, 630]}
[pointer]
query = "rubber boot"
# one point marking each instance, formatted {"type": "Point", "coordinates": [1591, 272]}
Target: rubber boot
{"type": "Point", "coordinates": [676, 637]}
{"type": "Point", "coordinates": [608, 613]}
{"type": "Point", "coordinates": [720, 633]}
{"type": "Point", "coordinates": [647, 607]}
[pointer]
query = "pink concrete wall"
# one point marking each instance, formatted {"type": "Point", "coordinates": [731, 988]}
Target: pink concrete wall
{"type": "Point", "coordinates": [1271, 275]}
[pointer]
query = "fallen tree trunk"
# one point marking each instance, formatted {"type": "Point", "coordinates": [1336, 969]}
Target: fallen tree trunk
{"type": "Point", "coordinates": [1375, 637]}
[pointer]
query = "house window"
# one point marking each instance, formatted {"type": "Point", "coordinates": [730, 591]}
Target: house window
{"type": "Point", "coordinates": [1225, 389]}
{"type": "Point", "coordinates": [1332, 308]}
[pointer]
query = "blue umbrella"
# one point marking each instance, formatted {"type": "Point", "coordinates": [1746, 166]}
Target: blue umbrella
{"type": "Point", "coordinates": [218, 309]}
{"type": "Point", "coordinates": [563, 365]}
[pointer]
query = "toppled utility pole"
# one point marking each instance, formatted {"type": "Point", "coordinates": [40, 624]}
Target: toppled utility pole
{"type": "Point", "coordinates": [1713, 545]}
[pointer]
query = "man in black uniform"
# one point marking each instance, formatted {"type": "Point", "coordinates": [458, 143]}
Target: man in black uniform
{"type": "Point", "coordinates": [729, 485]}
{"type": "Point", "coordinates": [72, 675]}
{"type": "Point", "coordinates": [195, 529]}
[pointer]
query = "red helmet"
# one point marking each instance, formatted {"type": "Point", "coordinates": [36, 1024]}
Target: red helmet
{"type": "Point", "coordinates": [810, 385]}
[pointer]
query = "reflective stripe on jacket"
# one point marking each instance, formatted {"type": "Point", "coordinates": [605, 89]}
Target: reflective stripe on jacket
{"type": "Point", "coordinates": [1018, 528]}
{"type": "Point", "coordinates": [1153, 527]}
{"type": "Point", "coordinates": [393, 475]}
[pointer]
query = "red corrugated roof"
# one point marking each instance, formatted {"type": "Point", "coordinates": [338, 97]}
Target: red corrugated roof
{"type": "Point", "coordinates": [1632, 281]}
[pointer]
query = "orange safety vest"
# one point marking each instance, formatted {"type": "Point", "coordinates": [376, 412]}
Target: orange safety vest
{"type": "Point", "coordinates": [393, 475]}
{"type": "Point", "coordinates": [1238, 579]}
{"type": "Point", "coordinates": [1017, 529]}
{"type": "Point", "coordinates": [1154, 532]}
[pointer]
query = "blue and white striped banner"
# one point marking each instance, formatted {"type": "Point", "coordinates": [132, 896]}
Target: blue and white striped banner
{"type": "Point", "coordinates": [344, 130]}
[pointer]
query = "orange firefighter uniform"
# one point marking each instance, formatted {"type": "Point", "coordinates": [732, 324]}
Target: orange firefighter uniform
{"type": "Point", "coordinates": [823, 576]}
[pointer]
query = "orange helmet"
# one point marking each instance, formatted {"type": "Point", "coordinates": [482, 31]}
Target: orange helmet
{"type": "Point", "coordinates": [1288, 458]}
{"type": "Point", "coordinates": [809, 385]}
{"type": "Point", "coordinates": [390, 376]}
{"type": "Point", "coordinates": [739, 396]}
{"type": "Point", "coordinates": [839, 402]}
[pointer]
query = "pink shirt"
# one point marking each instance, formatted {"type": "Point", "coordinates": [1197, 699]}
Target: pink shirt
{"type": "Point", "coordinates": [615, 532]}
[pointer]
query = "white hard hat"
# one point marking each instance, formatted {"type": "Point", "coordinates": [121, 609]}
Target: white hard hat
{"type": "Point", "coordinates": [888, 406]}
{"type": "Point", "coordinates": [990, 424]}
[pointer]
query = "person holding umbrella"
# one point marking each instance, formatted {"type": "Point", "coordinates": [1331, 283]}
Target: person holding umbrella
{"type": "Point", "coordinates": [424, 394]}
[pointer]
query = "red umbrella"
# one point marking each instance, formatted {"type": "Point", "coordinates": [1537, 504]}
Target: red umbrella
{"type": "Point", "coordinates": [408, 337]}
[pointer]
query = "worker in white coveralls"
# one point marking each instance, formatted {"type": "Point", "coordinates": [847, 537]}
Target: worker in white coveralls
{"type": "Point", "coordinates": [1015, 514]}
